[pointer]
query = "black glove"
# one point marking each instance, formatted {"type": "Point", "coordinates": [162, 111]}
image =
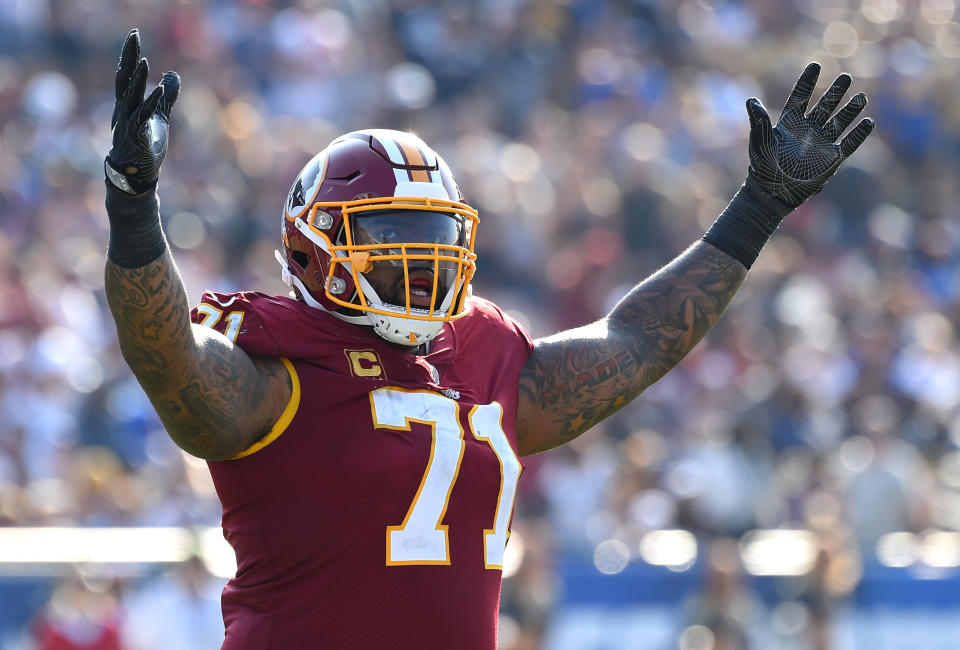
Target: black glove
{"type": "Point", "coordinates": [793, 161]}
{"type": "Point", "coordinates": [140, 128]}
{"type": "Point", "coordinates": [789, 163]}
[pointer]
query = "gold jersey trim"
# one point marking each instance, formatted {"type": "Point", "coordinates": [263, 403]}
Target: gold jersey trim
{"type": "Point", "coordinates": [285, 418]}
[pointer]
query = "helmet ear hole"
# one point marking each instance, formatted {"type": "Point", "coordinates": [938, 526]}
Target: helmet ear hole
{"type": "Point", "coordinates": [301, 259]}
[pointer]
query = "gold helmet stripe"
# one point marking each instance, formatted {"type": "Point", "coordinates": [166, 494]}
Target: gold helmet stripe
{"type": "Point", "coordinates": [413, 157]}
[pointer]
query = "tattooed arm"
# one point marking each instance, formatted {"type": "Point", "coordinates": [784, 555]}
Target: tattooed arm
{"type": "Point", "coordinates": [213, 399]}
{"type": "Point", "coordinates": [576, 378]}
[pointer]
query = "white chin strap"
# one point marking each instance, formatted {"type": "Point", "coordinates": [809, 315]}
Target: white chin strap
{"type": "Point", "coordinates": [393, 328]}
{"type": "Point", "coordinates": [398, 328]}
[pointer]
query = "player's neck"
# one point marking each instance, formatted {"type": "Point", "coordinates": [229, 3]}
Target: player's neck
{"type": "Point", "coordinates": [421, 350]}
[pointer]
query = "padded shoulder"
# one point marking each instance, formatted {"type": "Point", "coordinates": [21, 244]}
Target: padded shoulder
{"type": "Point", "coordinates": [277, 326]}
{"type": "Point", "coordinates": [487, 317]}
{"type": "Point", "coordinates": [244, 317]}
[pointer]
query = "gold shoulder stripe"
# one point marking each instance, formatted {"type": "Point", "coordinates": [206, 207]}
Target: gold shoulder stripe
{"type": "Point", "coordinates": [285, 418]}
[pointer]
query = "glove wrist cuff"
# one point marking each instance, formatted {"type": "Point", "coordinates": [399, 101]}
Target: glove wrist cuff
{"type": "Point", "coordinates": [746, 224]}
{"type": "Point", "coordinates": [775, 206]}
{"type": "Point", "coordinates": [136, 238]}
{"type": "Point", "coordinates": [120, 181]}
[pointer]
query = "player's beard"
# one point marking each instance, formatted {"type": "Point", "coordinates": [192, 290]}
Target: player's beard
{"type": "Point", "coordinates": [393, 290]}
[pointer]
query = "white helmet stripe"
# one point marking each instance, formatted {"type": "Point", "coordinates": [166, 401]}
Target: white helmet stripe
{"type": "Point", "coordinates": [432, 190]}
{"type": "Point", "coordinates": [393, 151]}
{"type": "Point", "coordinates": [396, 157]}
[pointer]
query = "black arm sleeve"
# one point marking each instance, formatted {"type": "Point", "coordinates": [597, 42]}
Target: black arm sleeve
{"type": "Point", "coordinates": [136, 238]}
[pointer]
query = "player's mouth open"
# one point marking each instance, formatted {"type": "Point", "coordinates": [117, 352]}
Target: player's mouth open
{"type": "Point", "coordinates": [421, 288]}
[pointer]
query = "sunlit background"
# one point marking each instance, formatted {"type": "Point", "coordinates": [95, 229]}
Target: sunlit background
{"type": "Point", "coordinates": [794, 484]}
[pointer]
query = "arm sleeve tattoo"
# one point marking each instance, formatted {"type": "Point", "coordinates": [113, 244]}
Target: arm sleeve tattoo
{"type": "Point", "coordinates": [213, 399]}
{"type": "Point", "coordinates": [577, 378]}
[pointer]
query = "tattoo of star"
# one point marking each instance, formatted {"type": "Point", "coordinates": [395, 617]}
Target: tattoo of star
{"type": "Point", "coordinates": [150, 330]}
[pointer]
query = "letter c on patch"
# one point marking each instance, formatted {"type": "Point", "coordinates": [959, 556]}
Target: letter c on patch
{"type": "Point", "coordinates": [364, 363]}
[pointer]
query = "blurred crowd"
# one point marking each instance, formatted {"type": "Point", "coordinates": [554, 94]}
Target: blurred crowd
{"type": "Point", "coordinates": [598, 139]}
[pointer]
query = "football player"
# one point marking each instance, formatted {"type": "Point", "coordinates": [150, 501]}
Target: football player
{"type": "Point", "coordinates": [364, 433]}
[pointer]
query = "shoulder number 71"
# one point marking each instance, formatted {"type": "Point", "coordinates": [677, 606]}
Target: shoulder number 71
{"type": "Point", "coordinates": [422, 538]}
{"type": "Point", "coordinates": [212, 316]}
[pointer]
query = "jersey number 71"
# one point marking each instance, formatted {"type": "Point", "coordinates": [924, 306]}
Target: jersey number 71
{"type": "Point", "coordinates": [422, 538]}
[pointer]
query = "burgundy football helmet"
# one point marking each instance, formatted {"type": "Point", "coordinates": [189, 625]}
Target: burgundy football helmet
{"type": "Point", "coordinates": [375, 232]}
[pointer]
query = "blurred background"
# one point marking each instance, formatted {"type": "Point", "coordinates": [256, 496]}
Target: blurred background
{"type": "Point", "coordinates": [794, 484]}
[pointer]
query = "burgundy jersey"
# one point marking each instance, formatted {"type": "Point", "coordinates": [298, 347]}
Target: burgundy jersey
{"type": "Point", "coordinates": [375, 513]}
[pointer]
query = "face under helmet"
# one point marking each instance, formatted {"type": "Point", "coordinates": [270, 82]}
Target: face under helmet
{"type": "Point", "coordinates": [376, 233]}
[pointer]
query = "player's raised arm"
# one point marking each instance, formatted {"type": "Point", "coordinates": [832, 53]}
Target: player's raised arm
{"type": "Point", "coordinates": [213, 399]}
{"type": "Point", "coordinates": [574, 379]}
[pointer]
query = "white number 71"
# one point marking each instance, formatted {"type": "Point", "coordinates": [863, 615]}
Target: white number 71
{"type": "Point", "coordinates": [422, 538]}
{"type": "Point", "coordinates": [212, 315]}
